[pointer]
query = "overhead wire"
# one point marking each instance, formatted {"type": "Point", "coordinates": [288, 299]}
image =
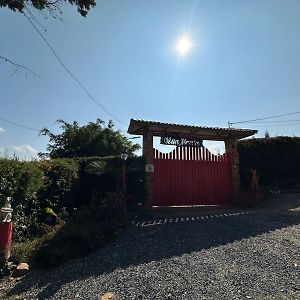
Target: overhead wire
{"type": "Point", "coordinates": [72, 75]}
{"type": "Point", "coordinates": [273, 125]}
{"type": "Point", "coordinates": [272, 122]}
{"type": "Point", "coordinates": [20, 66]}
{"type": "Point", "coordinates": [266, 118]}
{"type": "Point", "coordinates": [19, 125]}
{"type": "Point", "coordinates": [35, 18]}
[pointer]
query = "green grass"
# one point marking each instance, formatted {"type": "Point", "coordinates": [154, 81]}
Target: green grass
{"type": "Point", "coordinates": [90, 229]}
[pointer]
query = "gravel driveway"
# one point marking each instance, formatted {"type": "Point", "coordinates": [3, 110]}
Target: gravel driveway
{"type": "Point", "coordinates": [239, 255]}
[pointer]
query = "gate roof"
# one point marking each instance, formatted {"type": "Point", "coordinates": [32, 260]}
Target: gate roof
{"type": "Point", "coordinates": [138, 127]}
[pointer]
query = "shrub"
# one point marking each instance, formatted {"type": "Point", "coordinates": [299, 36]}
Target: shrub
{"type": "Point", "coordinates": [25, 251]}
{"type": "Point", "coordinates": [276, 160]}
{"type": "Point", "coordinates": [29, 184]}
{"type": "Point", "coordinates": [10, 173]}
{"type": "Point", "coordinates": [90, 228]}
{"type": "Point", "coordinates": [21, 181]}
{"type": "Point", "coordinates": [56, 187]}
{"type": "Point", "coordinates": [60, 183]}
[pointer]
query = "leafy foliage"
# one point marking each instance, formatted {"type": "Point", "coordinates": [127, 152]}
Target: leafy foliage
{"type": "Point", "coordinates": [275, 158]}
{"type": "Point", "coordinates": [65, 186]}
{"type": "Point", "coordinates": [92, 227]}
{"type": "Point", "coordinates": [10, 174]}
{"type": "Point", "coordinates": [22, 181]}
{"type": "Point", "coordinates": [83, 6]}
{"type": "Point", "coordinates": [26, 249]}
{"type": "Point", "coordinates": [60, 183]}
{"type": "Point", "coordinates": [93, 139]}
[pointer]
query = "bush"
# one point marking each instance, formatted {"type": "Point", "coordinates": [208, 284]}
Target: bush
{"type": "Point", "coordinates": [21, 181]}
{"type": "Point", "coordinates": [84, 192]}
{"type": "Point", "coordinates": [276, 160]}
{"type": "Point", "coordinates": [26, 251]}
{"type": "Point", "coordinates": [90, 228]}
{"type": "Point", "coordinates": [10, 170]}
{"type": "Point", "coordinates": [60, 183]}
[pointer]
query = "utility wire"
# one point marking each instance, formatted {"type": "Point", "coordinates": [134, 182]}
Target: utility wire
{"type": "Point", "coordinates": [274, 125]}
{"type": "Point", "coordinates": [279, 121]}
{"type": "Point", "coordinates": [19, 66]}
{"type": "Point", "coordinates": [71, 74]}
{"type": "Point", "coordinates": [19, 125]}
{"type": "Point", "coordinates": [260, 119]}
{"type": "Point", "coordinates": [35, 18]}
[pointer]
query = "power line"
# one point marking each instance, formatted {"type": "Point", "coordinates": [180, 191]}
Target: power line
{"type": "Point", "coordinates": [71, 74]}
{"type": "Point", "coordinates": [35, 18]}
{"type": "Point", "coordinates": [19, 125]}
{"type": "Point", "coordinates": [260, 119]}
{"type": "Point", "coordinates": [280, 121]}
{"type": "Point", "coordinates": [275, 125]}
{"type": "Point", "coordinates": [19, 66]}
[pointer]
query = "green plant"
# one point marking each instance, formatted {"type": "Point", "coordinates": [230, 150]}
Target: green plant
{"type": "Point", "coordinates": [91, 228]}
{"type": "Point", "coordinates": [275, 158]}
{"type": "Point", "coordinates": [59, 187]}
{"type": "Point", "coordinates": [27, 250]}
{"type": "Point", "coordinates": [60, 183]}
{"type": "Point", "coordinates": [92, 139]}
{"type": "Point", "coordinates": [10, 173]}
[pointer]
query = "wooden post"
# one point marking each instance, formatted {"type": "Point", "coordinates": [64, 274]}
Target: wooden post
{"type": "Point", "coordinates": [231, 150]}
{"type": "Point", "coordinates": [148, 154]}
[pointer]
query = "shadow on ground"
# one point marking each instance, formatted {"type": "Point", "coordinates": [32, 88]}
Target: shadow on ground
{"type": "Point", "coordinates": [159, 239]}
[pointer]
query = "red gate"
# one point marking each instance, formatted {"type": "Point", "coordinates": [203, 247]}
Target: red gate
{"type": "Point", "coordinates": [191, 176]}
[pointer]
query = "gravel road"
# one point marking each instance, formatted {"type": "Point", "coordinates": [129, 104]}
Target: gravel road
{"type": "Point", "coordinates": [239, 255]}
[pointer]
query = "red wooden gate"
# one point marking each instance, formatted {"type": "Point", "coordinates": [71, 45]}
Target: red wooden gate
{"type": "Point", "coordinates": [191, 176]}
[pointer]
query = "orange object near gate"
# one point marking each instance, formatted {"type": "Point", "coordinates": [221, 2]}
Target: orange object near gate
{"type": "Point", "coordinates": [5, 235]}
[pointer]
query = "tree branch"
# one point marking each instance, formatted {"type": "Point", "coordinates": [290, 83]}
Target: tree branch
{"type": "Point", "coordinates": [18, 66]}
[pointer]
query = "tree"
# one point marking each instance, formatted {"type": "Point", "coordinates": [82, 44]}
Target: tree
{"type": "Point", "coordinates": [52, 6]}
{"type": "Point", "coordinates": [93, 139]}
{"type": "Point", "coordinates": [83, 6]}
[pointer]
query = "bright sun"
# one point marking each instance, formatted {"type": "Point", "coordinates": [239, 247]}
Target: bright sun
{"type": "Point", "coordinates": [183, 45]}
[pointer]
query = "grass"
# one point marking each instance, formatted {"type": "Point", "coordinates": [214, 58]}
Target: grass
{"type": "Point", "coordinates": [90, 229]}
{"type": "Point", "coordinates": [26, 251]}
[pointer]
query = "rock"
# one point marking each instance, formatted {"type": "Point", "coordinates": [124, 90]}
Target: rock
{"type": "Point", "coordinates": [21, 270]}
{"type": "Point", "coordinates": [108, 296]}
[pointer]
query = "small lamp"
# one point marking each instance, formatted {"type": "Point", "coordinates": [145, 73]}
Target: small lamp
{"type": "Point", "coordinates": [124, 155]}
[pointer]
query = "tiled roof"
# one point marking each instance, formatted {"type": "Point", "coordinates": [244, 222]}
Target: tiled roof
{"type": "Point", "coordinates": [137, 126]}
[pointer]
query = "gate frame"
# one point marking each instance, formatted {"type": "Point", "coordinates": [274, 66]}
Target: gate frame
{"type": "Point", "coordinates": [230, 136]}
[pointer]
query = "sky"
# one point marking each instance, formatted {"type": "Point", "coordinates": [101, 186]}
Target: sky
{"type": "Point", "coordinates": [244, 64]}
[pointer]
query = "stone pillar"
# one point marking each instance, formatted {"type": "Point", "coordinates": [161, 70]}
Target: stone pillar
{"type": "Point", "coordinates": [231, 150]}
{"type": "Point", "coordinates": [148, 154]}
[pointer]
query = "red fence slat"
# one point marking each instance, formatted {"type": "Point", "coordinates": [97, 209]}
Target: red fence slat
{"type": "Point", "coordinates": [191, 176]}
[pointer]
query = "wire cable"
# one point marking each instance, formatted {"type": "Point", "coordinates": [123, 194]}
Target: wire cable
{"type": "Point", "coordinates": [260, 119]}
{"type": "Point", "coordinates": [19, 125]}
{"type": "Point", "coordinates": [35, 18]}
{"type": "Point", "coordinates": [274, 125]}
{"type": "Point", "coordinates": [20, 66]}
{"type": "Point", "coordinates": [268, 122]}
{"type": "Point", "coordinates": [72, 75]}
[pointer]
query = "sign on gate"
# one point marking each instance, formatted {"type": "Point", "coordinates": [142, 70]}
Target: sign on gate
{"type": "Point", "coordinates": [176, 141]}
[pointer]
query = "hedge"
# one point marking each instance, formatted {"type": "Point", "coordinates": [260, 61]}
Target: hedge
{"type": "Point", "coordinates": [276, 159]}
{"type": "Point", "coordinates": [64, 185]}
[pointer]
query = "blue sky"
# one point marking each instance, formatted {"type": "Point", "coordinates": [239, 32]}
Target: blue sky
{"type": "Point", "coordinates": [244, 64]}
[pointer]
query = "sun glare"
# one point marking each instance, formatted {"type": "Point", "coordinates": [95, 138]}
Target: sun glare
{"type": "Point", "coordinates": [184, 45]}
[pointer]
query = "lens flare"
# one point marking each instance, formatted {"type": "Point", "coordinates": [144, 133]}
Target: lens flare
{"type": "Point", "coordinates": [184, 45]}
